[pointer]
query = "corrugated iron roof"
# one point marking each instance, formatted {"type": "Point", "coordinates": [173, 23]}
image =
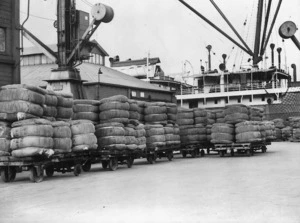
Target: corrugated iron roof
{"type": "Point", "coordinates": [37, 74]}
{"type": "Point", "coordinates": [35, 50]}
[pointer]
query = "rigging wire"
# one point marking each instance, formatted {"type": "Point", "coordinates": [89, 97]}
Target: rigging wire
{"type": "Point", "coordinates": [39, 17]}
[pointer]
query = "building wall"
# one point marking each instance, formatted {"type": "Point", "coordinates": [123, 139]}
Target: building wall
{"type": "Point", "coordinates": [105, 91]}
{"type": "Point", "coordinates": [9, 42]}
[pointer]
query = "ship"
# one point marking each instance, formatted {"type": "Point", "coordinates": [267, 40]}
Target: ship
{"type": "Point", "coordinates": [272, 88]}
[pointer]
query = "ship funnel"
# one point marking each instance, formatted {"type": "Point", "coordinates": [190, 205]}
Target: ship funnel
{"type": "Point", "coordinates": [209, 58]}
{"type": "Point", "coordinates": [294, 72]}
{"type": "Point", "coordinates": [279, 57]}
{"type": "Point", "coordinates": [272, 45]}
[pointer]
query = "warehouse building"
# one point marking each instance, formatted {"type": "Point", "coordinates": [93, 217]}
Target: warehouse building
{"type": "Point", "coordinates": [9, 42]}
{"type": "Point", "coordinates": [99, 81]}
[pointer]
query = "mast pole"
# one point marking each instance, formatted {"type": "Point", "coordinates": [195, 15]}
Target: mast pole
{"type": "Point", "coordinates": [215, 27]}
{"type": "Point", "coordinates": [272, 25]}
{"type": "Point", "coordinates": [231, 26]}
{"type": "Point", "coordinates": [256, 58]}
{"type": "Point", "coordinates": [265, 28]}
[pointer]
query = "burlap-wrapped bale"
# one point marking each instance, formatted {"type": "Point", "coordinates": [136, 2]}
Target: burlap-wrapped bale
{"type": "Point", "coordinates": [267, 129]}
{"type": "Point", "coordinates": [83, 135]}
{"type": "Point", "coordinates": [287, 133]}
{"type": "Point", "coordinates": [86, 109]}
{"type": "Point", "coordinates": [134, 109]}
{"type": "Point", "coordinates": [222, 133]}
{"type": "Point", "coordinates": [65, 104]}
{"type": "Point", "coordinates": [5, 137]}
{"type": "Point", "coordinates": [200, 116]}
{"type": "Point", "coordinates": [171, 113]}
{"type": "Point", "coordinates": [236, 113]}
{"type": "Point", "coordinates": [155, 135]}
{"type": "Point", "coordinates": [256, 113]}
{"type": "Point", "coordinates": [32, 137]}
{"type": "Point", "coordinates": [185, 116]}
{"type": "Point", "coordinates": [155, 113]}
{"type": "Point", "coordinates": [50, 106]}
{"type": "Point", "coordinates": [248, 131]}
{"type": "Point", "coordinates": [62, 137]}
{"type": "Point", "coordinates": [114, 109]}
{"type": "Point", "coordinates": [20, 101]}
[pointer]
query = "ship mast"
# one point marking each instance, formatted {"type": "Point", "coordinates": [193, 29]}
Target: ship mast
{"type": "Point", "coordinates": [259, 44]}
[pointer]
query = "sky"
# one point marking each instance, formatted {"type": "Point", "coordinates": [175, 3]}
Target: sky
{"type": "Point", "coordinates": [168, 30]}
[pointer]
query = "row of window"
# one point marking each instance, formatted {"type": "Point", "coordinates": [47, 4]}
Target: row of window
{"type": "Point", "coordinates": [134, 94]}
{"type": "Point", "coordinates": [2, 40]}
{"type": "Point", "coordinates": [194, 103]}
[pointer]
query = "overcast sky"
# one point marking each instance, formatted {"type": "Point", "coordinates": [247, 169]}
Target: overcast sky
{"type": "Point", "coordinates": [168, 30]}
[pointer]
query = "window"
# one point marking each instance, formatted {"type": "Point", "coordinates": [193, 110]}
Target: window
{"type": "Point", "coordinates": [263, 98]}
{"type": "Point", "coordinates": [2, 40]}
{"type": "Point", "coordinates": [239, 100]}
{"type": "Point", "coordinates": [193, 104]}
{"type": "Point", "coordinates": [216, 101]}
{"type": "Point", "coordinates": [142, 94]}
{"type": "Point", "coordinates": [133, 93]}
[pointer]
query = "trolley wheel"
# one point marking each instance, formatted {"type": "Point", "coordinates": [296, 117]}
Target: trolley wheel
{"type": "Point", "coordinates": [49, 171]}
{"type": "Point", "coordinates": [151, 159]}
{"type": "Point", "coordinates": [183, 154]}
{"type": "Point", "coordinates": [113, 164]}
{"type": "Point", "coordinates": [8, 173]}
{"type": "Point", "coordinates": [170, 156]}
{"type": "Point", "coordinates": [207, 150]}
{"type": "Point", "coordinates": [104, 164]}
{"type": "Point", "coordinates": [248, 152]}
{"type": "Point", "coordinates": [86, 167]}
{"type": "Point", "coordinates": [202, 153]}
{"type": "Point", "coordinates": [232, 152]}
{"type": "Point", "coordinates": [130, 161]}
{"type": "Point", "coordinates": [36, 174]}
{"type": "Point", "coordinates": [264, 149]}
{"type": "Point", "coordinates": [77, 169]}
{"type": "Point", "coordinates": [193, 153]}
{"type": "Point", "coordinates": [222, 153]}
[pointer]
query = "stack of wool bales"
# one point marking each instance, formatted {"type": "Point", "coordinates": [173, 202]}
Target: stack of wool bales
{"type": "Point", "coordinates": [62, 137]}
{"type": "Point", "coordinates": [171, 113]}
{"type": "Point", "coordinates": [83, 135]}
{"type": "Point", "coordinates": [256, 113]}
{"type": "Point", "coordinates": [65, 104]}
{"type": "Point", "coordinates": [155, 113]}
{"type": "Point", "coordinates": [222, 133]}
{"type": "Point", "coordinates": [211, 117]}
{"type": "Point", "coordinates": [50, 106]}
{"type": "Point", "coordinates": [295, 124]}
{"type": "Point", "coordinates": [220, 116]}
{"type": "Point", "coordinates": [155, 119]}
{"type": "Point", "coordinates": [134, 115]}
{"type": "Point", "coordinates": [86, 109]}
{"type": "Point", "coordinates": [111, 136]}
{"type": "Point", "coordinates": [114, 109]}
{"type": "Point", "coordinates": [21, 101]}
{"type": "Point", "coordinates": [32, 137]}
{"type": "Point", "coordinates": [279, 125]}
{"type": "Point", "coordinates": [5, 128]}
{"type": "Point", "coordinates": [189, 133]}
{"type": "Point", "coordinates": [141, 137]}
{"type": "Point", "coordinates": [155, 135]}
{"type": "Point", "coordinates": [287, 133]}
{"type": "Point", "coordinates": [236, 113]}
{"type": "Point", "coordinates": [248, 131]}
{"type": "Point", "coordinates": [171, 138]}
{"type": "Point", "coordinates": [267, 129]}
{"type": "Point", "coordinates": [141, 107]}
{"type": "Point", "coordinates": [131, 137]}
{"type": "Point", "coordinates": [200, 116]}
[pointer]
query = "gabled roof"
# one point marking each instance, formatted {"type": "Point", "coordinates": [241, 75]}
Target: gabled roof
{"type": "Point", "coordinates": [37, 74]}
{"type": "Point", "coordinates": [35, 50]}
{"type": "Point", "coordinates": [141, 62]}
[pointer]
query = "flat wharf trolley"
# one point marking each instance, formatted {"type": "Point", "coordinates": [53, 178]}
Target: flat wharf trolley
{"type": "Point", "coordinates": [247, 148]}
{"type": "Point", "coordinates": [68, 162]}
{"type": "Point", "coordinates": [196, 149]}
{"type": "Point", "coordinates": [152, 153]}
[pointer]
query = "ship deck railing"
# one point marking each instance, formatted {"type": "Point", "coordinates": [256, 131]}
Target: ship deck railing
{"type": "Point", "coordinates": [231, 88]}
